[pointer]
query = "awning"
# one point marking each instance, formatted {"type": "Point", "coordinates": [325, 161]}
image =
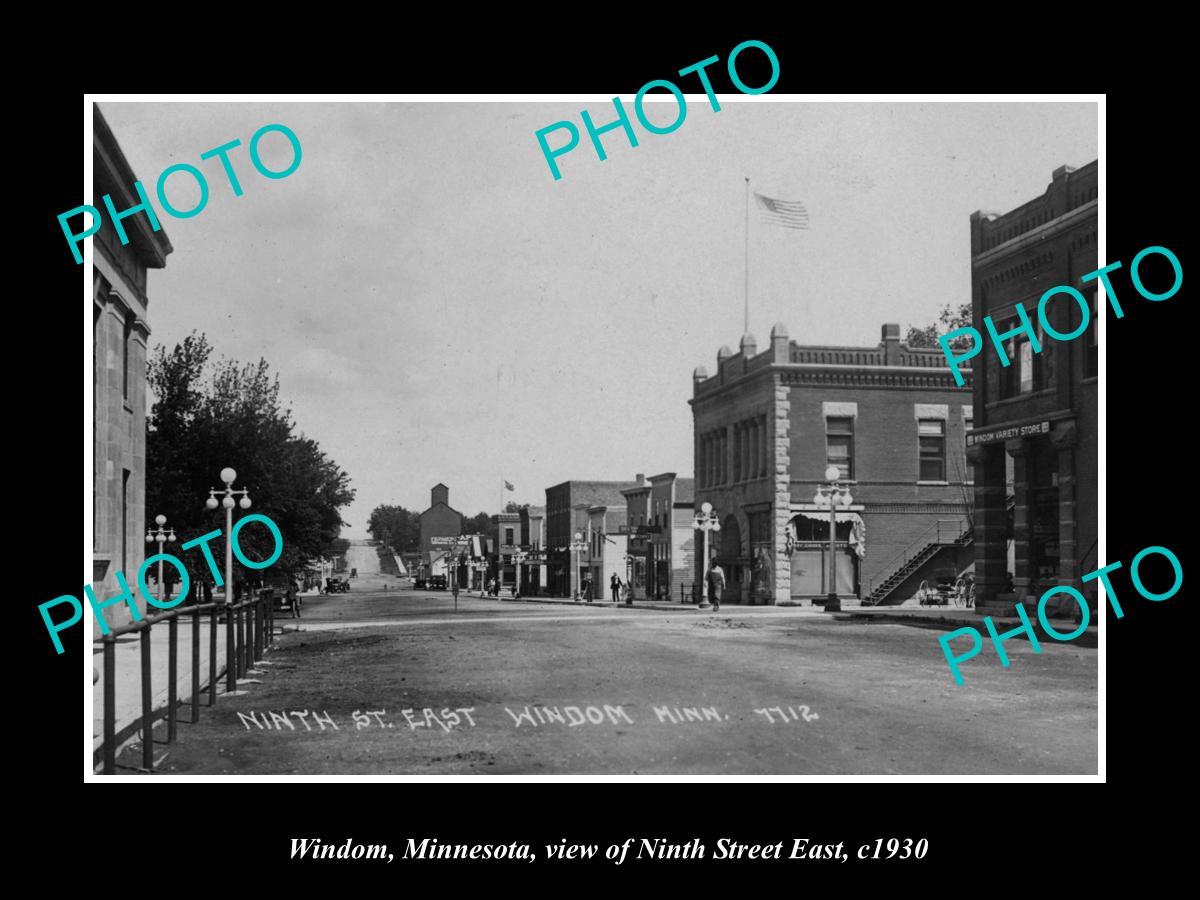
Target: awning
{"type": "Point", "coordinates": [858, 530]}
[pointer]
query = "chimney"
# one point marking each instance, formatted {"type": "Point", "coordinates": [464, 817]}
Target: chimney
{"type": "Point", "coordinates": [641, 479]}
{"type": "Point", "coordinates": [891, 344]}
{"type": "Point", "coordinates": [779, 343]}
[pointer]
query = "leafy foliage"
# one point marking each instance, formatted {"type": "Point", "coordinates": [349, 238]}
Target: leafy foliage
{"type": "Point", "coordinates": [949, 320]}
{"type": "Point", "coordinates": [208, 417]}
{"type": "Point", "coordinates": [396, 527]}
{"type": "Point", "coordinates": [480, 523]}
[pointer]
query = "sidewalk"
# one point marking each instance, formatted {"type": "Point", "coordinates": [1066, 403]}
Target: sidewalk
{"type": "Point", "coordinates": [637, 604]}
{"type": "Point", "coordinates": [954, 617]}
{"type": "Point", "coordinates": [128, 682]}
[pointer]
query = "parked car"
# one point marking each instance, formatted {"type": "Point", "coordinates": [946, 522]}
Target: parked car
{"type": "Point", "coordinates": [437, 582]}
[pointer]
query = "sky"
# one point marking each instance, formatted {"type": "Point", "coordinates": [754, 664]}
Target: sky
{"type": "Point", "coordinates": [440, 309]}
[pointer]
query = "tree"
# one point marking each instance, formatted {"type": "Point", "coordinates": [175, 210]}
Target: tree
{"type": "Point", "coordinates": [950, 319]}
{"type": "Point", "coordinates": [480, 523]}
{"type": "Point", "coordinates": [202, 422]}
{"type": "Point", "coordinates": [512, 506]}
{"type": "Point", "coordinates": [395, 527]}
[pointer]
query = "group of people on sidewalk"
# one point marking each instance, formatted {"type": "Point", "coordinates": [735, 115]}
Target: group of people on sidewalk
{"type": "Point", "coordinates": [715, 577]}
{"type": "Point", "coordinates": [619, 588]}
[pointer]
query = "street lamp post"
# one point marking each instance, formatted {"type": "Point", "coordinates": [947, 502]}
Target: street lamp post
{"type": "Point", "coordinates": [833, 494]}
{"type": "Point", "coordinates": [577, 545]}
{"type": "Point", "coordinates": [706, 521]}
{"type": "Point", "coordinates": [518, 559]}
{"type": "Point", "coordinates": [628, 579]}
{"type": "Point", "coordinates": [228, 476]}
{"type": "Point", "coordinates": [160, 535]}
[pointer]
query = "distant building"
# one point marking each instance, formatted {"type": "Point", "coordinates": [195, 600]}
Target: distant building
{"type": "Point", "coordinates": [120, 309]}
{"type": "Point", "coordinates": [637, 526]}
{"type": "Point", "coordinates": [534, 566]}
{"type": "Point", "coordinates": [1035, 436]}
{"type": "Point", "coordinates": [672, 543]}
{"type": "Point", "coordinates": [506, 543]}
{"type": "Point", "coordinates": [566, 514]}
{"type": "Point", "coordinates": [767, 425]}
{"type": "Point", "coordinates": [607, 543]}
{"type": "Point", "coordinates": [440, 526]}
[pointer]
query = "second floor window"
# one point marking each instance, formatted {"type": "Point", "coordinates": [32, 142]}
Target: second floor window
{"type": "Point", "coordinates": [839, 445]}
{"type": "Point", "coordinates": [931, 435]}
{"type": "Point", "coordinates": [1093, 340]}
{"type": "Point", "coordinates": [1027, 371]}
{"type": "Point", "coordinates": [508, 536]}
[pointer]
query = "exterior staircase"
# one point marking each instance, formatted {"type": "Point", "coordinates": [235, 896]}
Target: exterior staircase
{"type": "Point", "coordinates": [940, 546]}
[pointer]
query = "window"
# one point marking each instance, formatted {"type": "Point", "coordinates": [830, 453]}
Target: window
{"type": "Point", "coordinates": [125, 504]}
{"type": "Point", "coordinates": [1025, 365]}
{"type": "Point", "coordinates": [1093, 340]}
{"type": "Point", "coordinates": [1027, 371]}
{"type": "Point", "coordinates": [839, 445]}
{"type": "Point", "coordinates": [126, 356]}
{"type": "Point", "coordinates": [508, 537]}
{"type": "Point", "coordinates": [931, 435]}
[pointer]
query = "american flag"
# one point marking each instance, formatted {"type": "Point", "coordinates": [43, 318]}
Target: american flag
{"type": "Point", "coordinates": [508, 486]}
{"type": "Point", "coordinates": [785, 213]}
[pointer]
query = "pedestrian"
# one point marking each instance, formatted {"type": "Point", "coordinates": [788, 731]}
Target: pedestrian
{"type": "Point", "coordinates": [716, 582]}
{"type": "Point", "coordinates": [615, 584]}
{"type": "Point", "coordinates": [454, 588]}
{"type": "Point", "coordinates": [587, 588]}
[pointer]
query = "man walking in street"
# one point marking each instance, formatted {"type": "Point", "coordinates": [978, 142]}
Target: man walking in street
{"type": "Point", "coordinates": [716, 582]}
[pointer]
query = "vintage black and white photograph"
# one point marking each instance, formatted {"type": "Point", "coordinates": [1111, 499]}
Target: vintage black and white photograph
{"type": "Point", "coordinates": [540, 438]}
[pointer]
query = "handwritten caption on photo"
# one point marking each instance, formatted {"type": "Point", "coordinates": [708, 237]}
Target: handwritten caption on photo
{"type": "Point", "coordinates": [450, 718]}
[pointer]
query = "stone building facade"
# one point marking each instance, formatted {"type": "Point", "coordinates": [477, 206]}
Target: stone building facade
{"type": "Point", "coordinates": [766, 426]}
{"type": "Point", "coordinates": [120, 310]}
{"type": "Point", "coordinates": [1036, 433]}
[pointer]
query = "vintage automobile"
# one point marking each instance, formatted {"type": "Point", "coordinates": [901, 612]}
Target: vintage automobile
{"type": "Point", "coordinates": [337, 586]}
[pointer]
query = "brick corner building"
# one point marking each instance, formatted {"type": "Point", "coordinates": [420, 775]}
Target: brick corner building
{"type": "Point", "coordinates": [767, 425]}
{"type": "Point", "coordinates": [1034, 446]}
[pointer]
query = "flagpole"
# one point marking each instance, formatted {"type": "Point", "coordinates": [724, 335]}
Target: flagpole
{"type": "Point", "coordinates": [746, 317]}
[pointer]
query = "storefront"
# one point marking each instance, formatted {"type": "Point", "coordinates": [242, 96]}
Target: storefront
{"type": "Point", "coordinates": [808, 544]}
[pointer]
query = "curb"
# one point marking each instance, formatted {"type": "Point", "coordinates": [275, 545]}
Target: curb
{"type": "Point", "coordinates": [645, 607]}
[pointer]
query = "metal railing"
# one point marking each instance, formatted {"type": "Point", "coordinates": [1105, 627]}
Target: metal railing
{"type": "Point", "coordinates": [943, 531]}
{"type": "Point", "coordinates": [252, 625]}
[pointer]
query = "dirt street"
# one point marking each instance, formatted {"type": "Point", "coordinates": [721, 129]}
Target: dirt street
{"type": "Point", "coordinates": [397, 683]}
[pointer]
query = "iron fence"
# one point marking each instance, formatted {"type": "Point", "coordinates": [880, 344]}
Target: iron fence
{"type": "Point", "coordinates": [251, 625]}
